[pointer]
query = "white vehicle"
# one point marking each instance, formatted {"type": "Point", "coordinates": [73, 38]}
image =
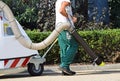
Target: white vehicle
{"type": "Point", "coordinates": [17, 50]}
{"type": "Point", "coordinates": [13, 55]}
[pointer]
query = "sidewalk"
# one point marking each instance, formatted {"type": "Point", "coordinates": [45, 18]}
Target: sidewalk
{"type": "Point", "coordinates": [78, 67]}
{"type": "Point", "coordinates": [109, 72]}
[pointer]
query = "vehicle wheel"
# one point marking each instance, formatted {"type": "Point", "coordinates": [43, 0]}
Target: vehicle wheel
{"type": "Point", "coordinates": [33, 71]}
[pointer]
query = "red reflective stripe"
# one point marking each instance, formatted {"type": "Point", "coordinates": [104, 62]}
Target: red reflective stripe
{"type": "Point", "coordinates": [25, 62]}
{"type": "Point", "coordinates": [5, 62]}
{"type": "Point", "coordinates": [14, 63]}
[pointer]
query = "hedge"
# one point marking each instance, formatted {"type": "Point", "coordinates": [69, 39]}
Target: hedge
{"type": "Point", "coordinates": [105, 43]}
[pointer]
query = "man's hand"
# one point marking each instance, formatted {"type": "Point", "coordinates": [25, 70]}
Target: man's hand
{"type": "Point", "coordinates": [74, 19]}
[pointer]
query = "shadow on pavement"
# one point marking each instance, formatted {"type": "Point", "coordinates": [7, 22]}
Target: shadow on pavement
{"type": "Point", "coordinates": [53, 73]}
{"type": "Point", "coordinates": [26, 74]}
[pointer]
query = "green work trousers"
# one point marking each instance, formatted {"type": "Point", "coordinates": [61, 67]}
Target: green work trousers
{"type": "Point", "coordinates": [68, 48]}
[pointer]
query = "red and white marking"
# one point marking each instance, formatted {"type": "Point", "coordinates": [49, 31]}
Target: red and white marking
{"type": "Point", "coordinates": [18, 62]}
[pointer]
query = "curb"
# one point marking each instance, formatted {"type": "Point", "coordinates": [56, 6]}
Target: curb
{"type": "Point", "coordinates": [78, 67]}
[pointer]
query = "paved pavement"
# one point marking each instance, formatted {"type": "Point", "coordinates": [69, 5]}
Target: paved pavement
{"type": "Point", "coordinates": [79, 67]}
{"type": "Point", "coordinates": [109, 72]}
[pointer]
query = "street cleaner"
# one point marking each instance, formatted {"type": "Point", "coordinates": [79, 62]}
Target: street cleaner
{"type": "Point", "coordinates": [68, 44]}
{"type": "Point", "coordinates": [68, 40]}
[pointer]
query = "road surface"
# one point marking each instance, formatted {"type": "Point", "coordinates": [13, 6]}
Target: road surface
{"type": "Point", "coordinates": [84, 73]}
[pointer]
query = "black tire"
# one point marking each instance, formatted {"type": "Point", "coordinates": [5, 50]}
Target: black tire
{"type": "Point", "coordinates": [32, 70]}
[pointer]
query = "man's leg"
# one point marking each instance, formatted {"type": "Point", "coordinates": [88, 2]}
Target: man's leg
{"type": "Point", "coordinates": [63, 47]}
{"type": "Point", "coordinates": [68, 49]}
{"type": "Point", "coordinates": [72, 47]}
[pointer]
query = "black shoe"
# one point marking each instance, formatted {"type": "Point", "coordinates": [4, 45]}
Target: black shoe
{"type": "Point", "coordinates": [73, 73]}
{"type": "Point", "coordinates": [66, 71]}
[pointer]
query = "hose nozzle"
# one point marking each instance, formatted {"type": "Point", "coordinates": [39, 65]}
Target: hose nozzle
{"type": "Point", "coordinates": [99, 62]}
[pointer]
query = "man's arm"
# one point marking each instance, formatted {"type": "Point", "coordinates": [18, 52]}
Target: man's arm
{"type": "Point", "coordinates": [63, 10]}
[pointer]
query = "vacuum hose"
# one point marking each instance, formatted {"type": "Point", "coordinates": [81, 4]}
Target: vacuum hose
{"type": "Point", "coordinates": [27, 43]}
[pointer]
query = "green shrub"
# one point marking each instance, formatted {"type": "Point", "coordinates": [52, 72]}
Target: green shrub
{"type": "Point", "coordinates": [102, 42]}
{"type": "Point", "coordinates": [25, 11]}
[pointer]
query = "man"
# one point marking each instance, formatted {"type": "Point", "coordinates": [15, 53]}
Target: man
{"type": "Point", "coordinates": [68, 45]}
